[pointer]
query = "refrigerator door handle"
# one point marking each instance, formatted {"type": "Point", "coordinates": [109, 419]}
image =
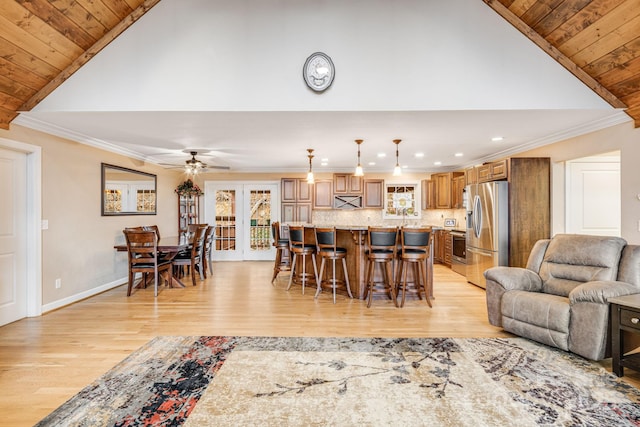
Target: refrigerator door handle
{"type": "Point", "coordinates": [477, 216]}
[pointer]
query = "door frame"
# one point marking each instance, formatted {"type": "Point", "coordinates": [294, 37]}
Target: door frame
{"type": "Point", "coordinates": [275, 207]}
{"type": "Point", "coordinates": [34, 222]}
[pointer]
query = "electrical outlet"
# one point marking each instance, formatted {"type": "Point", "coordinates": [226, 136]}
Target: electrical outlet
{"type": "Point", "coordinates": [58, 283]}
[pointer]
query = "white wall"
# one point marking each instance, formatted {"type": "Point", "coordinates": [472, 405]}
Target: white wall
{"type": "Point", "coordinates": [247, 55]}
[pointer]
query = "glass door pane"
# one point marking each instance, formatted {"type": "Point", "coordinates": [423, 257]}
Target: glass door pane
{"type": "Point", "coordinates": [259, 245]}
{"type": "Point", "coordinates": [225, 203]}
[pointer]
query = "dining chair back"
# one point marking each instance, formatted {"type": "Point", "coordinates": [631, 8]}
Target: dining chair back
{"type": "Point", "coordinates": [207, 253]}
{"type": "Point", "coordinates": [143, 257]}
{"type": "Point", "coordinates": [382, 244]}
{"type": "Point", "coordinates": [415, 250]}
{"type": "Point", "coordinates": [193, 258]}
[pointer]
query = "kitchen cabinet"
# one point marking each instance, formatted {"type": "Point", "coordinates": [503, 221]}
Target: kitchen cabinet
{"type": "Point", "coordinates": [373, 194]}
{"type": "Point", "coordinates": [442, 247]}
{"type": "Point", "coordinates": [529, 205]}
{"type": "Point", "coordinates": [428, 194]}
{"type": "Point", "coordinates": [296, 200]}
{"type": "Point", "coordinates": [323, 194]}
{"type": "Point", "coordinates": [444, 189]}
{"type": "Point", "coordinates": [347, 184]}
{"type": "Point", "coordinates": [471, 175]}
{"type": "Point", "coordinates": [457, 191]}
{"type": "Point", "coordinates": [493, 171]}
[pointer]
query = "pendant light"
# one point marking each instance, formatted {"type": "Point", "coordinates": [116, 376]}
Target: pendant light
{"type": "Point", "coordinates": [359, 171]}
{"type": "Point", "coordinates": [310, 179]}
{"type": "Point", "coordinates": [397, 171]}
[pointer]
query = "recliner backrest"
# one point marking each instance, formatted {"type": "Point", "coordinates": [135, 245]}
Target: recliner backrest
{"type": "Point", "coordinates": [629, 270]}
{"type": "Point", "coordinates": [572, 259]}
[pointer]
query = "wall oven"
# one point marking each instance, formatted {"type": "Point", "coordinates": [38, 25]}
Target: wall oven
{"type": "Point", "coordinates": [459, 252]}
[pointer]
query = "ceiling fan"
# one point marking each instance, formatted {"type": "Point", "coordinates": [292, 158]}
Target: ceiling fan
{"type": "Point", "coordinates": [194, 166]}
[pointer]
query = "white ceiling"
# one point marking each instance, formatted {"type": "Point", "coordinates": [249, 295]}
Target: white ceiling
{"type": "Point", "coordinates": [225, 79]}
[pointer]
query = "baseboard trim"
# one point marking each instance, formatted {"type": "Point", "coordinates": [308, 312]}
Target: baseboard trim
{"type": "Point", "coordinates": [82, 295]}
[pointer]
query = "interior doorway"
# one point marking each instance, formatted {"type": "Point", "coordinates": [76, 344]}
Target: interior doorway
{"type": "Point", "coordinates": [593, 195]}
{"type": "Point", "coordinates": [242, 214]}
{"type": "Point", "coordinates": [20, 256]}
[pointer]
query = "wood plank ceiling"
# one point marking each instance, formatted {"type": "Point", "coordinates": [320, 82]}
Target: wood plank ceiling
{"type": "Point", "coordinates": [43, 42]}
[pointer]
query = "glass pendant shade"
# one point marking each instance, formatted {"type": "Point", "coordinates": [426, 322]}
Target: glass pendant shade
{"type": "Point", "coordinates": [310, 178]}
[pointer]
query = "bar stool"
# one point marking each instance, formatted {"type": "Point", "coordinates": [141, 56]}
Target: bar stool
{"type": "Point", "coordinates": [282, 248]}
{"type": "Point", "coordinates": [414, 250]}
{"type": "Point", "coordinates": [382, 244]}
{"type": "Point", "coordinates": [326, 247]}
{"type": "Point", "coordinates": [298, 248]}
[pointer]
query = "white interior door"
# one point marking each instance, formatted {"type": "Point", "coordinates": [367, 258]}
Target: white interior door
{"type": "Point", "coordinates": [13, 236]}
{"type": "Point", "coordinates": [242, 214]}
{"type": "Point", "coordinates": [593, 196]}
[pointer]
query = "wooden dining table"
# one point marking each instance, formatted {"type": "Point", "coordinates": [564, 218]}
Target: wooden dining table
{"type": "Point", "coordinates": [169, 246]}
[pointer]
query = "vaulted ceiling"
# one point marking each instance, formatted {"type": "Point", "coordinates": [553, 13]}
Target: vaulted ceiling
{"type": "Point", "coordinates": [43, 42]}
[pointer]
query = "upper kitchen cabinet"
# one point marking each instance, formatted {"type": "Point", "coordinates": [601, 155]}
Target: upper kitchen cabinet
{"type": "Point", "coordinates": [323, 194]}
{"type": "Point", "coordinates": [493, 171]}
{"type": "Point", "coordinates": [373, 194]}
{"type": "Point", "coordinates": [445, 197]}
{"type": "Point", "coordinates": [344, 183]}
{"type": "Point", "coordinates": [471, 175]}
{"type": "Point", "coordinates": [457, 192]}
{"type": "Point", "coordinates": [428, 194]}
{"type": "Point", "coordinates": [296, 200]}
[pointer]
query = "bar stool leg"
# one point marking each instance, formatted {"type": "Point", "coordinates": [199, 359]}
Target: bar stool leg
{"type": "Point", "coordinates": [346, 277]}
{"type": "Point", "coordinates": [425, 282]}
{"type": "Point", "coordinates": [293, 269]}
{"type": "Point", "coordinates": [319, 282]}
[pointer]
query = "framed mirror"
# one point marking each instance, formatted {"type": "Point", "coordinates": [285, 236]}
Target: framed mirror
{"type": "Point", "coordinates": [127, 191]}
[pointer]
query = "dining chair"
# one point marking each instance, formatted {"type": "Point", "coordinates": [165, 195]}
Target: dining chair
{"type": "Point", "coordinates": [207, 252]}
{"type": "Point", "coordinates": [193, 258]}
{"type": "Point", "coordinates": [300, 250]}
{"type": "Point", "coordinates": [142, 249]}
{"type": "Point", "coordinates": [282, 261]}
{"type": "Point", "coordinates": [382, 244]}
{"type": "Point", "coordinates": [415, 251]}
{"type": "Point", "coordinates": [326, 246]}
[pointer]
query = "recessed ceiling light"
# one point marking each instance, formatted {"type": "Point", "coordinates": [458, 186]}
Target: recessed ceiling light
{"type": "Point", "coordinates": [419, 155]}
{"type": "Point", "coordinates": [382, 155]}
{"type": "Point", "coordinates": [437, 163]}
{"type": "Point", "coordinates": [324, 163]}
{"type": "Point", "coordinates": [372, 163]}
{"type": "Point", "coordinates": [459, 154]}
{"type": "Point", "coordinates": [324, 160]}
{"type": "Point", "coordinates": [497, 139]}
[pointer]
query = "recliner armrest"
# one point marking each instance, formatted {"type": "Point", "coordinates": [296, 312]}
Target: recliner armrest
{"type": "Point", "coordinates": [515, 278]}
{"type": "Point", "coordinates": [600, 291]}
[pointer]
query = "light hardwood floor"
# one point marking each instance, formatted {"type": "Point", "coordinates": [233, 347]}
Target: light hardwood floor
{"type": "Point", "coordinates": [46, 360]}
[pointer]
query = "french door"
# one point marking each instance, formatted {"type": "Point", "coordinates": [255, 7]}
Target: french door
{"type": "Point", "coordinates": [242, 214]}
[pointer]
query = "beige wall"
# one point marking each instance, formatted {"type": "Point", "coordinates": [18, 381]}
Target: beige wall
{"type": "Point", "coordinates": [78, 246]}
{"type": "Point", "coordinates": [622, 137]}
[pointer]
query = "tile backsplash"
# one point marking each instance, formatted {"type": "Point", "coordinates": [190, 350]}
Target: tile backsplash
{"type": "Point", "coordinates": [431, 217]}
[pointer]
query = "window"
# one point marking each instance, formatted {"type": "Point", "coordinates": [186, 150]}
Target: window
{"type": "Point", "coordinates": [402, 201]}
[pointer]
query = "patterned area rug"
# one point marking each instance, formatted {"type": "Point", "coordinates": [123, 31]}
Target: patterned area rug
{"type": "Point", "coordinates": [241, 381]}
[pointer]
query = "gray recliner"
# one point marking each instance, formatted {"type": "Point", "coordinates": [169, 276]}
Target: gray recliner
{"type": "Point", "coordinates": [560, 298]}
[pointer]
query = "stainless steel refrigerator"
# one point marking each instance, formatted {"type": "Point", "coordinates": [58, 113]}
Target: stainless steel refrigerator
{"type": "Point", "coordinates": [487, 228]}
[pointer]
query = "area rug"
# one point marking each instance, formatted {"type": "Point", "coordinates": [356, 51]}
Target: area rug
{"type": "Point", "coordinates": [243, 381]}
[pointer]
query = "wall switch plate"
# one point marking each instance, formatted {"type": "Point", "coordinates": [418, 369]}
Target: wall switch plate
{"type": "Point", "coordinates": [45, 224]}
{"type": "Point", "coordinates": [58, 283]}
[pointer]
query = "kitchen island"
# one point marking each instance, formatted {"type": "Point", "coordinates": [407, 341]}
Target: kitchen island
{"type": "Point", "coordinates": [354, 239]}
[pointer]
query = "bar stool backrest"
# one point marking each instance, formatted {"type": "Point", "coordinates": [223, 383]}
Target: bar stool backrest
{"type": "Point", "coordinates": [296, 235]}
{"type": "Point", "coordinates": [326, 238]}
{"type": "Point", "coordinates": [382, 238]}
{"type": "Point", "coordinates": [415, 239]}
